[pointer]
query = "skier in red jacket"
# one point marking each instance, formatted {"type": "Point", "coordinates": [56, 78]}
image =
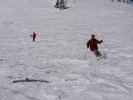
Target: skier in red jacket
{"type": "Point", "coordinates": [34, 36]}
{"type": "Point", "coordinates": [92, 44]}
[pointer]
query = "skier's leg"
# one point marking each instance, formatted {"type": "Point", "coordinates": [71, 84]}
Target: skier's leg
{"type": "Point", "coordinates": [34, 38]}
{"type": "Point", "coordinates": [98, 53]}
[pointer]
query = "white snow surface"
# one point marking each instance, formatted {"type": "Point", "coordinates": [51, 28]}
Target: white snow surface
{"type": "Point", "coordinates": [59, 55]}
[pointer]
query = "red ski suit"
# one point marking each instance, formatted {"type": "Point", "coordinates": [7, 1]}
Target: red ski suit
{"type": "Point", "coordinates": [93, 44]}
{"type": "Point", "coordinates": [34, 36]}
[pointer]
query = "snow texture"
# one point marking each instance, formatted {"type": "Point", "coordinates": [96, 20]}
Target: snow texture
{"type": "Point", "coordinates": [59, 56]}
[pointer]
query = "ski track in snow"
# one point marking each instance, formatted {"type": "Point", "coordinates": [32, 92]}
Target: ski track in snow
{"type": "Point", "coordinates": [59, 55]}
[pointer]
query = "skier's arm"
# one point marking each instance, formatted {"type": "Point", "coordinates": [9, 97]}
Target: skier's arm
{"type": "Point", "coordinates": [88, 44]}
{"type": "Point", "coordinates": [99, 41]}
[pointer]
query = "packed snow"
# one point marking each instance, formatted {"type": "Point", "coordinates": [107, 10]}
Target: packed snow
{"type": "Point", "coordinates": [59, 56]}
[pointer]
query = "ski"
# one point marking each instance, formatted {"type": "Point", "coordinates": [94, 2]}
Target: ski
{"type": "Point", "coordinates": [29, 80]}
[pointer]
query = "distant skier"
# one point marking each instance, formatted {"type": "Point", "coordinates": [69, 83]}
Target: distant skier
{"type": "Point", "coordinates": [92, 44]}
{"type": "Point", "coordinates": [60, 4]}
{"type": "Point", "coordinates": [34, 34]}
{"type": "Point", "coordinates": [57, 4]}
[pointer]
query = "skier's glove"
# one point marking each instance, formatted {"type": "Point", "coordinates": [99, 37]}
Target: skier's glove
{"type": "Point", "coordinates": [101, 41]}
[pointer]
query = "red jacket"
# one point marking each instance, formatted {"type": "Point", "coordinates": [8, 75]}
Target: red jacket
{"type": "Point", "coordinates": [93, 44]}
{"type": "Point", "coordinates": [34, 34]}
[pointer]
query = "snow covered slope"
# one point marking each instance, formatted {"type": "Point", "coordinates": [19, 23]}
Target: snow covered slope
{"type": "Point", "coordinates": [60, 56]}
